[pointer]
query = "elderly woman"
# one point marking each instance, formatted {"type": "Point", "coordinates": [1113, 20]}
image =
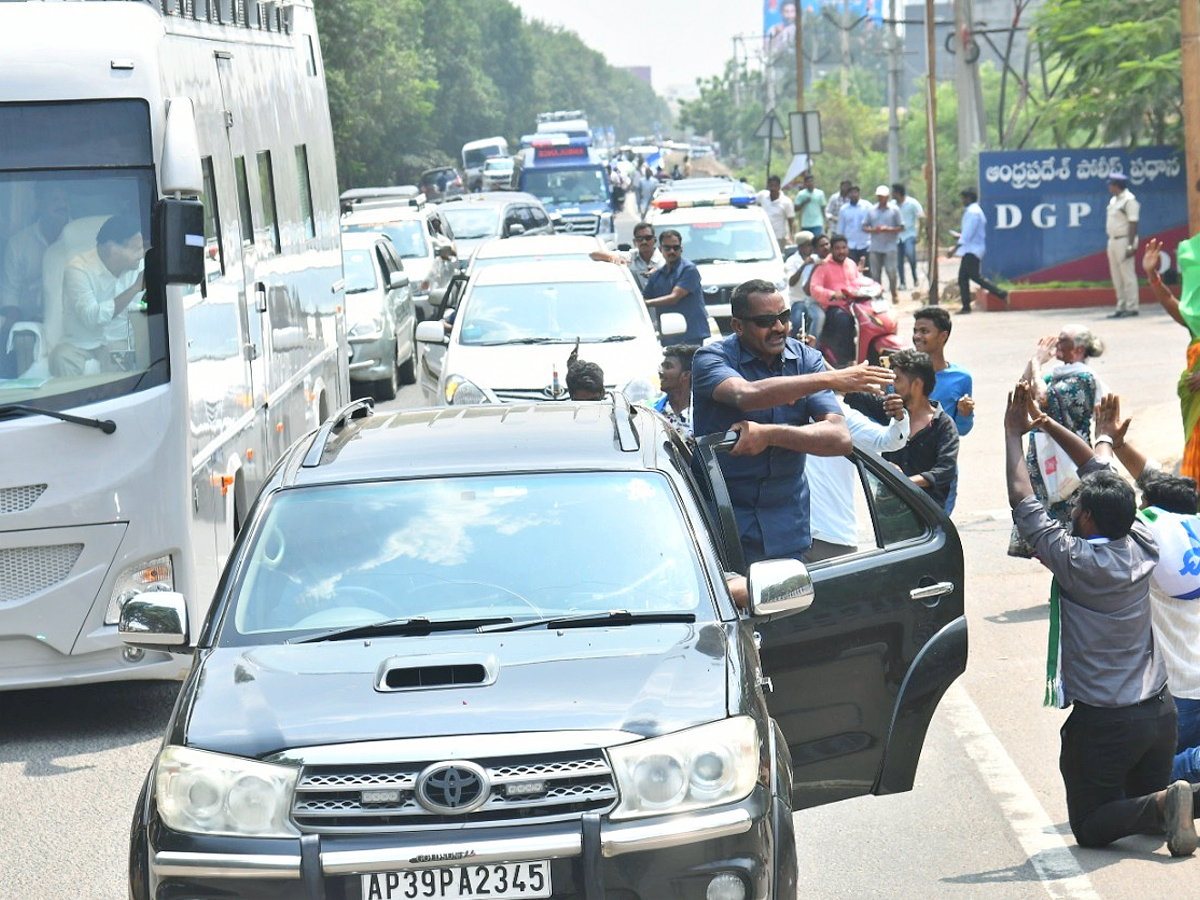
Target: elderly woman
{"type": "Point", "coordinates": [1069, 394]}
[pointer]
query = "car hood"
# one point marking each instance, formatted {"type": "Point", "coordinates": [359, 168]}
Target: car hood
{"type": "Point", "coordinates": [645, 679]}
{"type": "Point", "coordinates": [723, 274]}
{"type": "Point", "coordinates": [531, 367]}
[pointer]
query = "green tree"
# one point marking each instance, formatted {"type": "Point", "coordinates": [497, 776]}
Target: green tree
{"type": "Point", "coordinates": [1119, 67]}
{"type": "Point", "coordinates": [381, 91]}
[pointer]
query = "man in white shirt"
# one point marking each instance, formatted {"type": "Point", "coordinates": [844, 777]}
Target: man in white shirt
{"type": "Point", "coordinates": [1121, 224]}
{"type": "Point", "coordinates": [780, 211]}
{"type": "Point", "coordinates": [98, 287]}
{"type": "Point", "coordinates": [831, 479]}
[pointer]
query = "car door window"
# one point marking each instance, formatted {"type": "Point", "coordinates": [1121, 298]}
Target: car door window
{"type": "Point", "coordinates": [527, 218]}
{"type": "Point", "coordinates": [895, 521]}
{"type": "Point", "coordinates": [512, 217]}
{"type": "Point", "coordinates": [540, 219]}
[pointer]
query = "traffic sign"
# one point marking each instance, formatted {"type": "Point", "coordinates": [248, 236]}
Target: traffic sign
{"type": "Point", "coordinates": [806, 131]}
{"type": "Point", "coordinates": [770, 127]}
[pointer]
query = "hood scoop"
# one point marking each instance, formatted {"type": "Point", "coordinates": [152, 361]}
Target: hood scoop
{"type": "Point", "coordinates": [431, 673]}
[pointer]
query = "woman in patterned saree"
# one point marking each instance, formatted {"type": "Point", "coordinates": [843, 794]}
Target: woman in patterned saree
{"type": "Point", "coordinates": [1068, 394]}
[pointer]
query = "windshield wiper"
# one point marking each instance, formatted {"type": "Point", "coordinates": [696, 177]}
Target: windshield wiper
{"type": "Point", "coordinates": [527, 340]}
{"type": "Point", "coordinates": [357, 290]}
{"type": "Point", "coordinates": [108, 426]}
{"type": "Point", "coordinates": [588, 620]}
{"type": "Point", "coordinates": [715, 259]}
{"type": "Point", "coordinates": [417, 626]}
{"type": "Point", "coordinates": [612, 339]}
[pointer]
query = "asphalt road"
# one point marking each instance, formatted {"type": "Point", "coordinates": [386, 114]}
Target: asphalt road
{"type": "Point", "coordinates": [986, 819]}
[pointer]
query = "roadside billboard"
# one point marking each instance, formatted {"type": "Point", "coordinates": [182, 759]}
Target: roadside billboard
{"type": "Point", "coordinates": [1046, 208]}
{"type": "Point", "coordinates": [779, 17]}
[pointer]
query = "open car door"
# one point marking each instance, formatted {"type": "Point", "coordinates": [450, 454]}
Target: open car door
{"type": "Point", "coordinates": [857, 676]}
{"type": "Point", "coordinates": [433, 356]}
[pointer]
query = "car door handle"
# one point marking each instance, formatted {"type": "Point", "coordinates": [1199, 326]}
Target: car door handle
{"type": "Point", "coordinates": [931, 590]}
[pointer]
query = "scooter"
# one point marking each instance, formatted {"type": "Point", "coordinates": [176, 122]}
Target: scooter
{"type": "Point", "coordinates": [875, 323]}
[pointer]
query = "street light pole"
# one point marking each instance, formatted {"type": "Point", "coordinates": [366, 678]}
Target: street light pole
{"type": "Point", "coordinates": [931, 196]}
{"type": "Point", "coordinates": [799, 58]}
{"type": "Point", "coordinates": [1189, 28]}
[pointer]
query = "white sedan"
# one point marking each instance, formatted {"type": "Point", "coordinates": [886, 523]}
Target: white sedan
{"type": "Point", "coordinates": [515, 325]}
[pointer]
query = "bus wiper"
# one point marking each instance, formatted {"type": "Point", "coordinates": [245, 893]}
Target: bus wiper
{"type": "Point", "coordinates": [588, 620]}
{"type": "Point", "coordinates": [108, 426]}
{"type": "Point", "coordinates": [417, 626]}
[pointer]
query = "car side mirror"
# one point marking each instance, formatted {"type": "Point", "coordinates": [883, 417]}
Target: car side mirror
{"type": "Point", "coordinates": [180, 240]}
{"type": "Point", "coordinates": [671, 324]}
{"type": "Point", "coordinates": [624, 248]}
{"type": "Point", "coordinates": [516, 229]}
{"type": "Point", "coordinates": [431, 331]}
{"type": "Point", "coordinates": [397, 280]}
{"type": "Point", "coordinates": [779, 587]}
{"type": "Point", "coordinates": [155, 620]}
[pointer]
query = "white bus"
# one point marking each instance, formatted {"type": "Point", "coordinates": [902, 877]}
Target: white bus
{"type": "Point", "coordinates": [476, 153]}
{"type": "Point", "coordinates": [156, 355]}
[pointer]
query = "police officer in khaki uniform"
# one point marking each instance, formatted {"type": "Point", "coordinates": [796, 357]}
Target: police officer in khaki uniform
{"type": "Point", "coordinates": [1121, 222]}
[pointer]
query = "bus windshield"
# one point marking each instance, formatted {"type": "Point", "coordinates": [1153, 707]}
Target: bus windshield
{"type": "Point", "coordinates": [79, 319]}
{"type": "Point", "coordinates": [564, 187]}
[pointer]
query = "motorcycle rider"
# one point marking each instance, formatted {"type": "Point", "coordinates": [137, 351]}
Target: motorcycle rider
{"type": "Point", "coordinates": [834, 281]}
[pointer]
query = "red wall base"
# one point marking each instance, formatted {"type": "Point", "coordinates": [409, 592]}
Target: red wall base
{"type": "Point", "coordinates": [1060, 298]}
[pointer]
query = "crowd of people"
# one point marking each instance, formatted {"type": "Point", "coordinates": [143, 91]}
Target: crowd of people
{"type": "Point", "coordinates": [1124, 652]}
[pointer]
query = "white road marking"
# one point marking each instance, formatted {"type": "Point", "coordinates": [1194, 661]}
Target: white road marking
{"type": "Point", "coordinates": [1048, 853]}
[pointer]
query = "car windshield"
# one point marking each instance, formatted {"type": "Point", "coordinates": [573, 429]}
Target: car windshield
{"type": "Point", "coordinates": [359, 267]}
{"type": "Point", "coordinates": [563, 187]}
{"type": "Point", "coordinates": [484, 262]}
{"type": "Point", "coordinates": [491, 546]}
{"type": "Point", "coordinates": [407, 237]}
{"type": "Point", "coordinates": [477, 156]}
{"type": "Point", "coordinates": [471, 222]}
{"type": "Point", "coordinates": [589, 310]}
{"type": "Point", "coordinates": [746, 241]}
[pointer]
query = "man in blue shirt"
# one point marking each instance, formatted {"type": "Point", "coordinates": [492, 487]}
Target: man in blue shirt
{"type": "Point", "coordinates": [972, 242]}
{"type": "Point", "coordinates": [777, 395]}
{"type": "Point", "coordinates": [851, 218]}
{"type": "Point", "coordinates": [675, 287]}
{"type": "Point", "coordinates": [952, 391]}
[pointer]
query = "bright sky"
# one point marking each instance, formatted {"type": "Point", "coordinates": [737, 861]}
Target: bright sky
{"type": "Point", "coordinates": [681, 40]}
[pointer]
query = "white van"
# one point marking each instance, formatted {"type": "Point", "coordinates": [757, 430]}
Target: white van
{"type": "Point", "coordinates": [476, 153]}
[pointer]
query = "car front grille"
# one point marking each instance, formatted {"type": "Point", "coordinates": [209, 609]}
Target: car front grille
{"type": "Point", "coordinates": [580, 224]}
{"type": "Point", "coordinates": [383, 797]}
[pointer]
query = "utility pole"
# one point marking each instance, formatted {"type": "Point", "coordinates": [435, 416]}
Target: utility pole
{"type": "Point", "coordinates": [931, 196]}
{"type": "Point", "coordinates": [737, 78]}
{"type": "Point", "coordinates": [893, 97]}
{"type": "Point", "coordinates": [800, 59]}
{"type": "Point", "coordinates": [1189, 26]}
{"type": "Point", "coordinates": [845, 39]}
{"type": "Point", "coordinates": [971, 133]}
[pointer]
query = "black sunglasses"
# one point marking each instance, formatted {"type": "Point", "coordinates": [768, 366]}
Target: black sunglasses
{"type": "Point", "coordinates": [671, 246]}
{"type": "Point", "coordinates": [783, 318]}
{"type": "Point", "coordinates": [642, 238]}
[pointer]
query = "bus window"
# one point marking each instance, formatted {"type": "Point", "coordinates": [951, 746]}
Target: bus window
{"type": "Point", "coordinates": [225, 11]}
{"type": "Point", "coordinates": [246, 217]}
{"type": "Point", "coordinates": [214, 252]}
{"type": "Point", "coordinates": [306, 203]}
{"type": "Point", "coordinates": [266, 183]}
{"type": "Point", "coordinates": [311, 62]}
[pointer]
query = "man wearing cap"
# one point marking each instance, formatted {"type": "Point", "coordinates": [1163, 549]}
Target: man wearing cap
{"type": "Point", "coordinates": [1121, 223]}
{"type": "Point", "coordinates": [883, 223]}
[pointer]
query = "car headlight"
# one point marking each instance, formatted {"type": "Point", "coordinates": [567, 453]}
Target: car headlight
{"type": "Point", "coordinates": [148, 575]}
{"type": "Point", "coordinates": [641, 390]}
{"type": "Point", "coordinates": [462, 392]}
{"type": "Point", "coordinates": [370, 329]}
{"type": "Point", "coordinates": [705, 766]}
{"type": "Point", "coordinates": [199, 792]}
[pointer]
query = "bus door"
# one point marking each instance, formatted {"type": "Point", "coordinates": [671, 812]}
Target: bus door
{"type": "Point", "coordinates": [254, 299]}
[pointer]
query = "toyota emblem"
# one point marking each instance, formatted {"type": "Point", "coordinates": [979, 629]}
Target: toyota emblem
{"type": "Point", "coordinates": [453, 788]}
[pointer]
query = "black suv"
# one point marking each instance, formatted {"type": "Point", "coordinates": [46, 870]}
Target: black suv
{"type": "Point", "coordinates": [492, 652]}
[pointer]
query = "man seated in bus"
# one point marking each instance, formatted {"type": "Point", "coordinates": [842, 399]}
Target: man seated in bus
{"type": "Point", "coordinates": [98, 286]}
{"type": "Point", "coordinates": [21, 277]}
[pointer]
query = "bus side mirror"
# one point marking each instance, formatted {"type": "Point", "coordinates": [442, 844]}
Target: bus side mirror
{"type": "Point", "coordinates": [180, 241]}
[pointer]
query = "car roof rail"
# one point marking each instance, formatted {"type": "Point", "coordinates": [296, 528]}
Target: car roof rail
{"type": "Point", "coordinates": [356, 409]}
{"type": "Point", "coordinates": [623, 428]}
